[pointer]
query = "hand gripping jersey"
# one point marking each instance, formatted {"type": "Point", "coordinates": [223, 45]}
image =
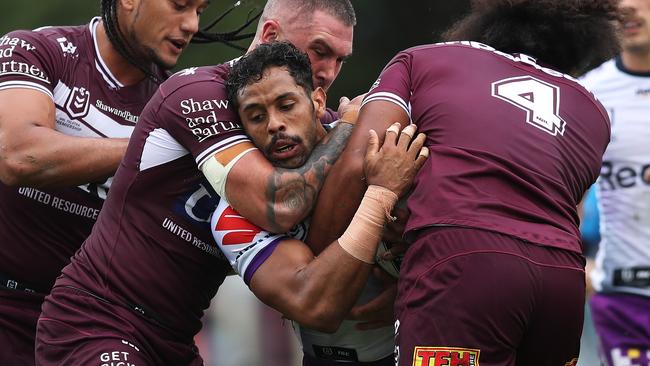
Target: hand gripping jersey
{"type": "Point", "coordinates": [623, 260]}
{"type": "Point", "coordinates": [514, 145]}
{"type": "Point", "coordinates": [152, 247]}
{"type": "Point", "coordinates": [40, 229]}
{"type": "Point", "coordinates": [247, 246]}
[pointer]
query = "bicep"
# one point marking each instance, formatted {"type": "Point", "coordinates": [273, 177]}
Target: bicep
{"type": "Point", "coordinates": [21, 108]}
{"type": "Point", "coordinates": [247, 186]}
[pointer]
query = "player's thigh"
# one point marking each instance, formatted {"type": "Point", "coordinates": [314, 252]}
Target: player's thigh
{"type": "Point", "coordinates": [553, 334]}
{"type": "Point", "coordinates": [622, 323]}
{"type": "Point", "coordinates": [59, 343]}
{"type": "Point", "coordinates": [472, 304]}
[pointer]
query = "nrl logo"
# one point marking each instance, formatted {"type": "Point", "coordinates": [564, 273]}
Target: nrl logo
{"type": "Point", "coordinates": [78, 102]}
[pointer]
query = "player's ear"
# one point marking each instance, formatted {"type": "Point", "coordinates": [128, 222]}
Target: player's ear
{"type": "Point", "coordinates": [128, 5]}
{"type": "Point", "coordinates": [270, 31]}
{"type": "Point", "coordinates": [319, 98]}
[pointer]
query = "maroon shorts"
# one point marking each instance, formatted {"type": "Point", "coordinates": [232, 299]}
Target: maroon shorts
{"type": "Point", "coordinates": [76, 328]}
{"type": "Point", "coordinates": [19, 312]}
{"type": "Point", "coordinates": [470, 297]}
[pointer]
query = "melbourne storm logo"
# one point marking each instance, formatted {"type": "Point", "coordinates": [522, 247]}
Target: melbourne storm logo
{"type": "Point", "coordinates": [78, 102]}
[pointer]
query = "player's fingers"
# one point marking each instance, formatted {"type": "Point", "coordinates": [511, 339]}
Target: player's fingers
{"type": "Point", "coordinates": [406, 136]}
{"type": "Point", "coordinates": [416, 145]}
{"type": "Point", "coordinates": [344, 100]}
{"type": "Point", "coordinates": [391, 134]}
{"type": "Point", "coordinates": [373, 144]}
{"type": "Point", "coordinates": [422, 157]}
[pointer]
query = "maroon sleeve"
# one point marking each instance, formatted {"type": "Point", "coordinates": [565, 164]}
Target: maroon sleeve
{"type": "Point", "coordinates": [199, 117]}
{"type": "Point", "coordinates": [394, 83]}
{"type": "Point", "coordinates": [29, 60]}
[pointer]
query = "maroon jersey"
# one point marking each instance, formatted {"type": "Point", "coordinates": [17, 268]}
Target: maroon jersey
{"type": "Point", "coordinates": [40, 229]}
{"type": "Point", "coordinates": [152, 245]}
{"type": "Point", "coordinates": [514, 145]}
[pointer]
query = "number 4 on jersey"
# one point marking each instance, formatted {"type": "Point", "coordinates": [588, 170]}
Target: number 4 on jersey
{"type": "Point", "coordinates": [539, 99]}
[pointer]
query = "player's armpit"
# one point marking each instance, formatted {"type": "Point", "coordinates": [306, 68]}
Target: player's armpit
{"type": "Point", "coordinates": [344, 187]}
{"type": "Point", "coordinates": [33, 153]}
{"type": "Point", "coordinates": [277, 199]}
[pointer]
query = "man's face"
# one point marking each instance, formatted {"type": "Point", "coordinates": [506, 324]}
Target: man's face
{"type": "Point", "coordinates": [159, 30]}
{"type": "Point", "coordinates": [636, 25]}
{"type": "Point", "coordinates": [328, 43]}
{"type": "Point", "coordinates": [281, 119]}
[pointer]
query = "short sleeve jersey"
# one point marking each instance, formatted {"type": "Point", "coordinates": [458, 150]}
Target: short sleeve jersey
{"type": "Point", "coordinates": [152, 245]}
{"type": "Point", "coordinates": [623, 259]}
{"type": "Point", "coordinates": [40, 229]}
{"type": "Point", "coordinates": [514, 145]}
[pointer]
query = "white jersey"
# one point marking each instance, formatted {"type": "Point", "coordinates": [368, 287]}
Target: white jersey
{"type": "Point", "coordinates": [623, 259]}
{"type": "Point", "coordinates": [247, 246]}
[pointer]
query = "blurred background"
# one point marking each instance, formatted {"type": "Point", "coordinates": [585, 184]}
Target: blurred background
{"type": "Point", "coordinates": [239, 330]}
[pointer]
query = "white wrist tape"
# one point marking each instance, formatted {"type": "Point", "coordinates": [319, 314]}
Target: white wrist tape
{"type": "Point", "coordinates": [363, 234]}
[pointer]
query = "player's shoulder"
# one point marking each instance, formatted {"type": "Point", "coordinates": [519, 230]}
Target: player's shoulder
{"type": "Point", "coordinates": [203, 82]}
{"type": "Point", "coordinates": [60, 40]}
{"type": "Point", "coordinates": [602, 74]}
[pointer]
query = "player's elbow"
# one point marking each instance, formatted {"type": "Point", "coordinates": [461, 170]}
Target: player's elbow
{"type": "Point", "coordinates": [322, 318]}
{"type": "Point", "coordinates": [287, 217]}
{"type": "Point", "coordinates": [14, 172]}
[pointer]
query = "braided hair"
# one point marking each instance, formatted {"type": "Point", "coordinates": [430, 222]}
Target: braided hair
{"type": "Point", "coordinates": [125, 49]}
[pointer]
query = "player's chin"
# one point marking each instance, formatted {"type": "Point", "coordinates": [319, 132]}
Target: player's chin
{"type": "Point", "coordinates": [166, 60]}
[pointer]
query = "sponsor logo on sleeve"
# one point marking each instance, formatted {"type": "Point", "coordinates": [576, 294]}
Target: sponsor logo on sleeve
{"type": "Point", "coordinates": [201, 117]}
{"type": "Point", "coordinates": [78, 102]}
{"type": "Point", "coordinates": [14, 42]}
{"type": "Point", "coordinates": [66, 46]}
{"type": "Point", "coordinates": [445, 356]}
{"type": "Point", "coordinates": [236, 228]}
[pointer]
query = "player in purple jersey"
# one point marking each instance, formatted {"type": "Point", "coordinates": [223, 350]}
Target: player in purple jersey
{"type": "Point", "coordinates": [494, 274]}
{"type": "Point", "coordinates": [69, 99]}
{"type": "Point", "coordinates": [272, 90]}
{"type": "Point", "coordinates": [150, 257]}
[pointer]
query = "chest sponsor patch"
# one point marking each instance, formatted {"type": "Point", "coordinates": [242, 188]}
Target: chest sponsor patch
{"type": "Point", "coordinates": [445, 356]}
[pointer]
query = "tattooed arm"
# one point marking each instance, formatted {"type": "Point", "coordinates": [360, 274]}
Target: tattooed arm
{"type": "Point", "coordinates": [276, 199]}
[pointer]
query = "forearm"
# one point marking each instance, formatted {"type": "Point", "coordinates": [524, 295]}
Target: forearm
{"type": "Point", "coordinates": [324, 293]}
{"type": "Point", "coordinates": [46, 158]}
{"type": "Point", "coordinates": [292, 193]}
{"type": "Point", "coordinates": [277, 199]}
{"type": "Point", "coordinates": [344, 186]}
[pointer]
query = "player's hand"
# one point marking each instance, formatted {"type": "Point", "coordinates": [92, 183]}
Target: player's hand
{"type": "Point", "coordinates": [378, 312]}
{"type": "Point", "coordinates": [394, 164]}
{"type": "Point", "coordinates": [349, 109]}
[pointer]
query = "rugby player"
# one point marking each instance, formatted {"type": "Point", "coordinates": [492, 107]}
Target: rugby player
{"type": "Point", "coordinates": [494, 274]}
{"type": "Point", "coordinates": [622, 274]}
{"type": "Point", "coordinates": [69, 100]}
{"type": "Point", "coordinates": [272, 91]}
{"type": "Point", "coordinates": [139, 284]}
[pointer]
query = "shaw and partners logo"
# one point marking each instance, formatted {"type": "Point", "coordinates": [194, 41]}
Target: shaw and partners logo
{"type": "Point", "coordinates": [445, 356]}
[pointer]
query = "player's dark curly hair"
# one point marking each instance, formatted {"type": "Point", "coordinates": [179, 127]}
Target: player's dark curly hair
{"type": "Point", "coordinates": [572, 36]}
{"type": "Point", "coordinates": [109, 17]}
{"type": "Point", "coordinates": [250, 68]}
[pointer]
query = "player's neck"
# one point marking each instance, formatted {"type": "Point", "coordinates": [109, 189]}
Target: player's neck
{"type": "Point", "coordinates": [636, 61]}
{"type": "Point", "coordinates": [123, 70]}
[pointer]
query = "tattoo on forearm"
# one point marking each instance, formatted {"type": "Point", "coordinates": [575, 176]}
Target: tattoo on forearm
{"type": "Point", "coordinates": [297, 189]}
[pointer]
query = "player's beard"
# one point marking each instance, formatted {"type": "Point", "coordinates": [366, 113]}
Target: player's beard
{"type": "Point", "coordinates": [144, 52]}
